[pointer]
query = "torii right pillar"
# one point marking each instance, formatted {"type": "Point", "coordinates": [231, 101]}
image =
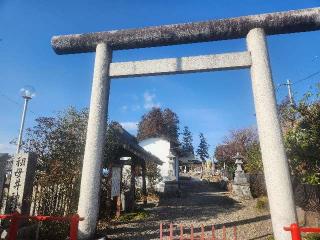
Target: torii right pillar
{"type": "Point", "coordinates": [275, 163]}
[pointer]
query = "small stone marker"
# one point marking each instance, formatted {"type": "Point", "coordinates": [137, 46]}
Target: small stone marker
{"type": "Point", "coordinates": [21, 183]}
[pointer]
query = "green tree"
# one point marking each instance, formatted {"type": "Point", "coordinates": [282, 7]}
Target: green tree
{"type": "Point", "coordinates": [171, 123]}
{"type": "Point", "coordinates": [59, 141]}
{"type": "Point", "coordinates": [287, 115]}
{"type": "Point", "coordinates": [253, 163]}
{"type": "Point", "coordinates": [303, 140]}
{"type": "Point", "coordinates": [186, 143]}
{"type": "Point", "coordinates": [153, 174]}
{"type": "Point", "coordinates": [202, 150]}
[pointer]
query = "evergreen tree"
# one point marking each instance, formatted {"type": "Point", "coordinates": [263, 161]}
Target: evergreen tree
{"type": "Point", "coordinates": [203, 147]}
{"type": "Point", "coordinates": [171, 124]}
{"type": "Point", "coordinates": [186, 145]}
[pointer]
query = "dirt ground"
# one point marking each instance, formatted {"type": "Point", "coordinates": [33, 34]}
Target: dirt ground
{"type": "Point", "coordinates": [199, 204]}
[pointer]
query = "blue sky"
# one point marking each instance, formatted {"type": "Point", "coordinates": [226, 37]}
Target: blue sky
{"type": "Point", "coordinates": [212, 103]}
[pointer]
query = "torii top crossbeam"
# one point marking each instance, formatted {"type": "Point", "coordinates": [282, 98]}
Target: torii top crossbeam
{"type": "Point", "coordinates": [232, 28]}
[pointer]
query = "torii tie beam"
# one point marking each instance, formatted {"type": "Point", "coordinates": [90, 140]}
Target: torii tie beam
{"type": "Point", "coordinates": [253, 28]}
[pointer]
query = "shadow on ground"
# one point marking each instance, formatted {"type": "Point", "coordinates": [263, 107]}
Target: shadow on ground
{"type": "Point", "coordinates": [199, 202]}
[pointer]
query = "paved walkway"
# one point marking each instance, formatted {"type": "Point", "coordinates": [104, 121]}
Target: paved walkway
{"type": "Point", "coordinates": [200, 203]}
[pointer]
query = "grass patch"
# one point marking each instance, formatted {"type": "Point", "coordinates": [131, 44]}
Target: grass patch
{"type": "Point", "coordinates": [133, 216]}
{"type": "Point", "coordinates": [262, 203]}
{"type": "Point", "coordinates": [312, 236]}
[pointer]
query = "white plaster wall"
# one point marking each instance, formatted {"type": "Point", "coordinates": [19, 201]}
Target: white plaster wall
{"type": "Point", "coordinates": [160, 148]}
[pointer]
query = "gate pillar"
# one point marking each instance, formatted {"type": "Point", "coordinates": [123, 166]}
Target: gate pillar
{"type": "Point", "coordinates": [275, 163]}
{"type": "Point", "coordinates": [88, 206]}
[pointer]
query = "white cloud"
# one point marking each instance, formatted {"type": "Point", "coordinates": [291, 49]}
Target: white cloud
{"type": "Point", "coordinates": [7, 148]}
{"type": "Point", "coordinates": [149, 100]}
{"type": "Point", "coordinates": [135, 107]}
{"type": "Point", "coordinates": [124, 108]}
{"type": "Point", "coordinates": [130, 126]}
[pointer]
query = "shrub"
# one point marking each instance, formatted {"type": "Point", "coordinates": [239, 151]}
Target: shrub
{"type": "Point", "coordinates": [134, 216]}
{"type": "Point", "coordinates": [53, 230]}
{"type": "Point", "coordinates": [262, 203]}
{"type": "Point", "coordinates": [257, 185]}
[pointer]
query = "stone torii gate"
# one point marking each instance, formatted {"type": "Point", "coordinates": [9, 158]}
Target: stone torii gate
{"type": "Point", "coordinates": [254, 29]}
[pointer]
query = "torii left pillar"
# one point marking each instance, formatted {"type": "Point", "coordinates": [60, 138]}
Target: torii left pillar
{"type": "Point", "coordinates": [92, 162]}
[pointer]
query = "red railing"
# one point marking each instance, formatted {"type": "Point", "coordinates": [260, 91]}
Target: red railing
{"type": "Point", "coordinates": [192, 234]}
{"type": "Point", "coordinates": [296, 230]}
{"type": "Point", "coordinates": [16, 217]}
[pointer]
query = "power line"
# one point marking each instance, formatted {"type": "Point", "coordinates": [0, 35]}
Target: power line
{"type": "Point", "coordinates": [9, 99]}
{"type": "Point", "coordinates": [315, 58]}
{"type": "Point", "coordinates": [289, 84]}
{"type": "Point", "coordinates": [14, 102]}
{"type": "Point", "coordinates": [298, 81]}
{"type": "Point", "coordinates": [307, 77]}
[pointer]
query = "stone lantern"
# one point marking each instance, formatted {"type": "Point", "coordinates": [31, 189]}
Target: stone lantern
{"type": "Point", "coordinates": [240, 185]}
{"type": "Point", "coordinates": [238, 161]}
{"type": "Point", "coordinates": [171, 184]}
{"type": "Point", "coordinates": [171, 169]}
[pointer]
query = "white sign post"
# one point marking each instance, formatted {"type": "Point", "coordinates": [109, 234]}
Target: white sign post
{"type": "Point", "coordinates": [115, 181]}
{"type": "Point", "coordinates": [116, 188]}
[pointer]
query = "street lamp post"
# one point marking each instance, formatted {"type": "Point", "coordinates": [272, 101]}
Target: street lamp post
{"type": "Point", "coordinates": [27, 93]}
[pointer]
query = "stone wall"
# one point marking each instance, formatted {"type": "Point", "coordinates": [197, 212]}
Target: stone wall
{"type": "Point", "coordinates": [307, 196]}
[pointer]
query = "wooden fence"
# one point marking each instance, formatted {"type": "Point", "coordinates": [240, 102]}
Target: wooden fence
{"type": "Point", "coordinates": [55, 199]}
{"type": "Point", "coordinates": [49, 198]}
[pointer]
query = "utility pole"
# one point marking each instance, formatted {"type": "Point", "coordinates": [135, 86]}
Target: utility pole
{"type": "Point", "coordinates": [288, 84]}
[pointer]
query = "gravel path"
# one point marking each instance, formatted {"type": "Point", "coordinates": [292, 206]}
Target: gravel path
{"type": "Point", "coordinates": [200, 203]}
